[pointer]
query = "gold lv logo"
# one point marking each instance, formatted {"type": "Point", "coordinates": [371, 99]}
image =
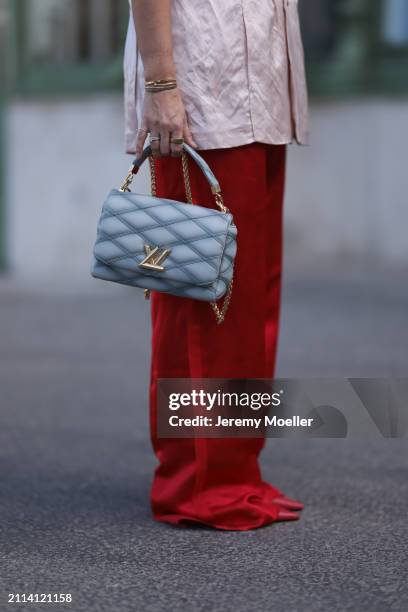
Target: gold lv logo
{"type": "Point", "coordinates": [154, 257]}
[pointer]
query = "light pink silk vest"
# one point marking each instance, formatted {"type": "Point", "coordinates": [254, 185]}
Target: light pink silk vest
{"type": "Point", "coordinates": [240, 69]}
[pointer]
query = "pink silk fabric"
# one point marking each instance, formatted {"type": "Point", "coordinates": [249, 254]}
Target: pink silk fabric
{"type": "Point", "coordinates": [240, 69]}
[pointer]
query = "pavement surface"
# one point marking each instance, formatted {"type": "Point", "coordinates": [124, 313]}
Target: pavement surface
{"type": "Point", "coordinates": [76, 463]}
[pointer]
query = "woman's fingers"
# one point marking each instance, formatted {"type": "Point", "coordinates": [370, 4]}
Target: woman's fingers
{"type": "Point", "coordinates": [176, 142]}
{"type": "Point", "coordinates": [164, 141]}
{"type": "Point", "coordinates": [140, 140]}
{"type": "Point", "coordinates": [187, 135]}
{"type": "Point", "coordinates": [155, 139]}
{"type": "Point", "coordinates": [165, 118]}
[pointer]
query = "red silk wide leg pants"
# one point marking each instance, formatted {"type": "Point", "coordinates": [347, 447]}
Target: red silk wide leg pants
{"type": "Point", "coordinates": [217, 482]}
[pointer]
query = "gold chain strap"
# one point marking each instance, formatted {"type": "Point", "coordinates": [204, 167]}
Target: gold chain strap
{"type": "Point", "coordinates": [219, 312]}
{"type": "Point", "coordinates": [186, 177]}
{"type": "Point", "coordinates": [153, 183]}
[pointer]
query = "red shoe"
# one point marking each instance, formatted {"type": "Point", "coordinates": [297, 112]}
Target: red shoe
{"type": "Point", "coordinates": [286, 502]}
{"type": "Point", "coordinates": [286, 515]}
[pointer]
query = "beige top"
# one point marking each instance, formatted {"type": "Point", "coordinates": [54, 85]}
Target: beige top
{"type": "Point", "coordinates": [240, 69]}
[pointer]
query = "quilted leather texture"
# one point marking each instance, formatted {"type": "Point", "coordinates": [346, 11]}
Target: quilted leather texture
{"type": "Point", "coordinates": [201, 240]}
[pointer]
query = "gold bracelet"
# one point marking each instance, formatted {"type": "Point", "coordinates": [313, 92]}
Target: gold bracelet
{"type": "Point", "coordinates": [163, 88]}
{"type": "Point", "coordinates": [160, 85]}
{"type": "Point", "coordinates": [160, 81]}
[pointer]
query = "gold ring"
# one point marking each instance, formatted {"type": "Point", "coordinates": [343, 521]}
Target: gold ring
{"type": "Point", "coordinates": [177, 140]}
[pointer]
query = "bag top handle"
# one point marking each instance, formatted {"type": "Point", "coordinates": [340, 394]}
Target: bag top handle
{"type": "Point", "coordinates": [204, 167]}
{"type": "Point", "coordinates": [202, 164]}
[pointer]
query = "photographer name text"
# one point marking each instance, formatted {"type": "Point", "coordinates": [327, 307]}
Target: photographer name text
{"type": "Point", "coordinates": [250, 422]}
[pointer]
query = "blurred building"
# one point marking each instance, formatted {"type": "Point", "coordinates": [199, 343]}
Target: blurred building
{"type": "Point", "coordinates": [62, 132]}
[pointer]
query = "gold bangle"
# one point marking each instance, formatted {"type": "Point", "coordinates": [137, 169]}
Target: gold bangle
{"type": "Point", "coordinates": [156, 88]}
{"type": "Point", "coordinates": [160, 84]}
{"type": "Point", "coordinates": [160, 81]}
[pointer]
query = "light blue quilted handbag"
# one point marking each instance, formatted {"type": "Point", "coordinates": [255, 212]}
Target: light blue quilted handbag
{"type": "Point", "coordinates": [164, 245]}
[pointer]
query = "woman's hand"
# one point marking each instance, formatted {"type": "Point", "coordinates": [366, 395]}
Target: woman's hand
{"type": "Point", "coordinates": [164, 116]}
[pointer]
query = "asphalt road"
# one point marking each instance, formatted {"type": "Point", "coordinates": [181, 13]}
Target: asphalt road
{"type": "Point", "coordinates": [76, 464]}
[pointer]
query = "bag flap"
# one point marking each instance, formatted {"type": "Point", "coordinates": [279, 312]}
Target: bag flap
{"type": "Point", "coordinates": [191, 239]}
